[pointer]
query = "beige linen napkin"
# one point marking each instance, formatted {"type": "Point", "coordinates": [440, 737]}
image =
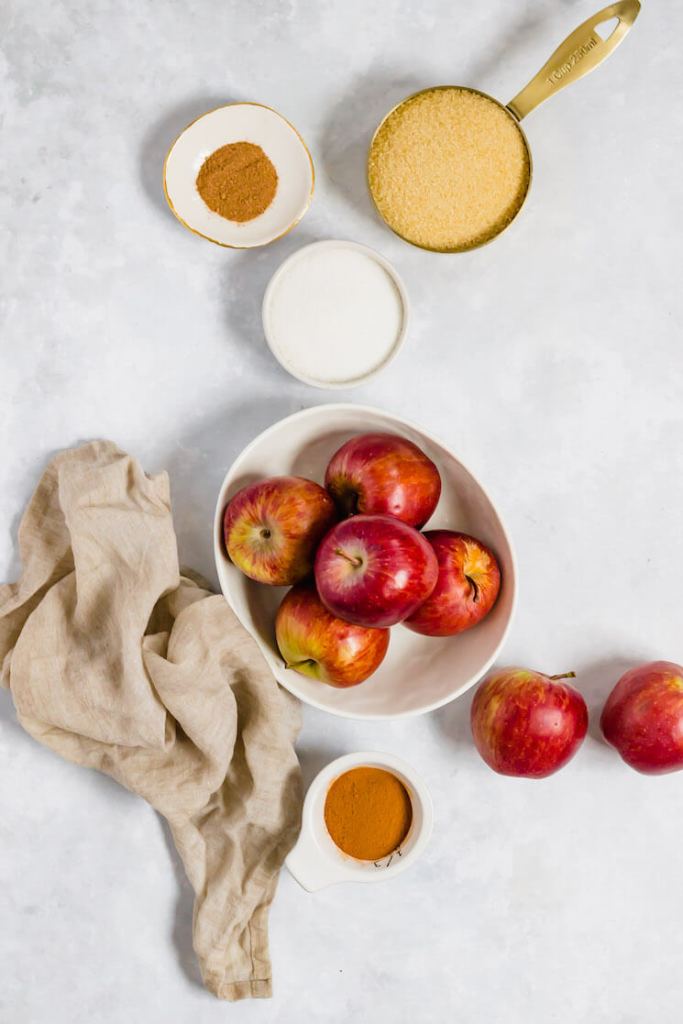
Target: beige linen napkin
{"type": "Point", "coordinates": [118, 662]}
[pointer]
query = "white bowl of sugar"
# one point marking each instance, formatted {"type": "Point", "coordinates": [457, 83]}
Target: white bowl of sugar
{"type": "Point", "coordinates": [335, 313]}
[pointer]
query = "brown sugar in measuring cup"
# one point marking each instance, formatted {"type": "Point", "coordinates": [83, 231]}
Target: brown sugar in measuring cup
{"type": "Point", "coordinates": [449, 168]}
{"type": "Point", "coordinates": [368, 813]}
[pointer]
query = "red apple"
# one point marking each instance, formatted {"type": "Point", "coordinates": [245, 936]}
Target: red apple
{"type": "Point", "coordinates": [374, 570]}
{"type": "Point", "coordinates": [272, 528]}
{"type": "Point", "coordinates": [467, 587]}
{"type": "Point", "coordinates": [383, 474]}
{"type": "Point", "coordinates": [643, 717]}
{"type": "Point", "coordinates": [317, 644]}
{"type": "Point", "coordinates": [526, 723]}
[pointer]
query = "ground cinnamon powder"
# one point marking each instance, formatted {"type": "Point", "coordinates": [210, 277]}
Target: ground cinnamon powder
{"type": "Point", "coordinates": [368, 813]}
{"type": "Point", "coordinates": [238, 181]}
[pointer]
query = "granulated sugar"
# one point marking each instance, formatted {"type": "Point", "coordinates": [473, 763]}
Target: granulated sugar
{"type": "Point", "coordinates": [448, 169]}
{"type": "Point", "coordinates": [333, 313]}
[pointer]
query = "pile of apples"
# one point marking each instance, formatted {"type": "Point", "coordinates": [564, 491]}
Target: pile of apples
{"type": "Point", "coordinates": [357, 563]}
{"type": "Point", "coordinates": [353, 553]}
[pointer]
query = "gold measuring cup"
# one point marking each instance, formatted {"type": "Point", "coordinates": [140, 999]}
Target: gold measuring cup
{"type": "Point", "coordinates": [581, 52]}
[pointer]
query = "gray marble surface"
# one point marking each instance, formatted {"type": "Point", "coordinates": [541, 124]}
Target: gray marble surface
{"type": "Point", "coordinates": [551, 361]}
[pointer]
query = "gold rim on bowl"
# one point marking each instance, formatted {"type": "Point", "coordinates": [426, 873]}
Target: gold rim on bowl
{"type": "Point", "coordinates": [227, 245]}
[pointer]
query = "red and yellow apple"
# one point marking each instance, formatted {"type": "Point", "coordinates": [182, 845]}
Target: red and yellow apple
{"type": "Point", "coordinates": [374, 570]}
{"type": "Point", "coordinates": [527, 724]}
{"type": "Point", "coordinates": [317, 644]}
{"type": "Point", "coordinates": [384, 474]}
{"type": "Point", "coordinates": [643, 717]}
{"type": "Point", "coordinates": [466, 589]}
{"type": "Point", "coordinates": [272, 528]}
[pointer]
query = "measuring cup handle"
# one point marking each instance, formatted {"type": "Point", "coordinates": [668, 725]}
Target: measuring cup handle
{"type": "Point", "coordinates": [580, 52]}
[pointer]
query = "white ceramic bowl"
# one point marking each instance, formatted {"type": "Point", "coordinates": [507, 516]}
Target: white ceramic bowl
{"type": "Point", "coordinates": [302, 372]}
{"type": "Point", "coordinates": [240, 122]}
{"type": "Point", "coordinates": [419, 673]}
{"type": "Point", "coordinates": [316, 861]}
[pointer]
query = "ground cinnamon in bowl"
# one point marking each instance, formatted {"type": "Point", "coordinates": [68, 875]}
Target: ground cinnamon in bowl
{"type": "Point", "coordinates": [368, 813]}
{"type": "Point", "coordinates": [238, 181]}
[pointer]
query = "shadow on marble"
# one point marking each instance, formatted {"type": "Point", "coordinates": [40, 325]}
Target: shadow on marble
{"type": "Point", "coordinates": [158, 139]}
{"type": "Point", "coordinates": [349, 129]}
{"type": "Point", "coordinates": [13, 571]}
{"type": "Point", "coordinates": [243, 284]}
{"type": "Point", "coordinates": [314, 758]}
{"type": "Point", "coordinates": [199, 461]}
{"type": "Point", "coordinates": [524, 28]}
{"type": "Point", "coordinates": [453, 720]}
{"type": "Point", "coordinates": [594, 680]}
{"type": "Point", "coordinates": [8, 716]}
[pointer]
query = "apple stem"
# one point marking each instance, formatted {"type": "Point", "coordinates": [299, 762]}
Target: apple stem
{"type": "Point", "coordinates": [356, 562]}
{"type": "Point", "coordinates": [564, 675]}
{"type": "Point", "coordinates": [350, 501]}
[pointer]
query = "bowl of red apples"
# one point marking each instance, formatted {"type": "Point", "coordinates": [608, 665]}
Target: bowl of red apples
{"type": "Point", "coordinates": [369, 564]}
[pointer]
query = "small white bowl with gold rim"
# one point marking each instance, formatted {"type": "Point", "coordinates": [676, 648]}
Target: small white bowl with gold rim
{"type": "Point", "coordinates": [316, 861]}
{"type": "Point", "coordinates": [282, 144]}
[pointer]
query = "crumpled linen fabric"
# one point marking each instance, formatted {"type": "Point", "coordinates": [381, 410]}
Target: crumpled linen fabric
{"type": "Point", "coordinates": [118, 662]}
